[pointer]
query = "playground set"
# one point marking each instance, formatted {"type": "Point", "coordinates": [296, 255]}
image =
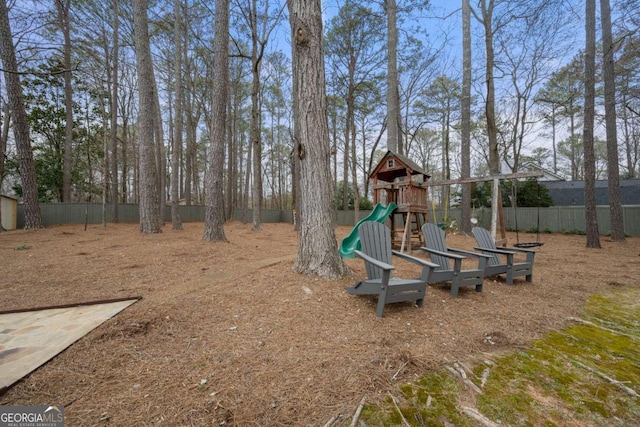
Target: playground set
{"type": "Point", "coordinates": [400, 194]}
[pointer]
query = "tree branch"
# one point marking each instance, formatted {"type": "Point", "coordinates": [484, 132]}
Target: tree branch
{"type": "Point", "coordinates": [39, 74]}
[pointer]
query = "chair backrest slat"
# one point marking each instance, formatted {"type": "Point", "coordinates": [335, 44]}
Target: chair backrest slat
{"type": "Point", "coordinates": [484, 240]}
{"type": "Point", "coordinates": [375, 238]}
{"type": "Point", "coordinates": [434, 238]}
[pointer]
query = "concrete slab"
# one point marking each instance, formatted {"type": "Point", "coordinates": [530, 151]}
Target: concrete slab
{"type": "Point", "coordinates": [29, 339]}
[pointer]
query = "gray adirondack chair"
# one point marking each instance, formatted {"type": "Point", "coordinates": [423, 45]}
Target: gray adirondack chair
{"type": "Point", "coordinates": [450, 261]}
{"type": "Point", "coordinates": [376, 252]}
{"type": "Point", "coordinates": [502, 260]}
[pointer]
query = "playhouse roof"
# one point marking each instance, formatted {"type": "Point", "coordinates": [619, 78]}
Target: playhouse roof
{"type": "Point", "coordinates": [400, 166]}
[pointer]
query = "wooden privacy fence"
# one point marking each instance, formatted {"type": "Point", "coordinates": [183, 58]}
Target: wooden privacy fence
{"type": "Point", "coordinates": [552, 219]}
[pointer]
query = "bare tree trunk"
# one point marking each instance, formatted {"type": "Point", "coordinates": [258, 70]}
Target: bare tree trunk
{"type": "Point", "coordinates": [575, 172]}
{"type": "Point", "coordinates": [4, 136]}
{"type": "Point", "coordinates": [214, 213]}
{"type": "Point", "coordinates": [333, 116]}
{"type": "Point", "coordinates": [261, 27]}
{"type": "Point", "coordinates": [232, 169]}
{"type": "Point", "coordinates": [393, 98]}
{"type": "Point", "coordinates": [317, 251]}
{"type": "Point", "coordinates": [161, 159]}
{"type": "Point", "coordinates": [188, 163]}
{"type": "Point", "coordinates": [114, 116]}
{"type": "Point", "coordinates": [176, 221]}
{"type": "Point", "coordinates": [256, 139]}
{"type": "Point", "coordinates": [553, 138]}
{"type": "Point", "coordinates": [238, 146]}
{"type": "Point", "coordinates": [354, 170]}
{"type": "Point", "coordinates": [64, 23]}
{"type": "Point", "coordinates": [247, 183]}
{"type": "Point", "coordinates": [593, 237]}
{"type": "Point", "coordinates": [190, 152]}
{"type": "Point", "coordinates": [282, 171]}
{"type": "Point", "coordinates": [629, 146]}
{"type": "Point", "coordinates": [465, 154]}
{"type": "Point", "coordinates": [613, 169]}
{"type": "Point", "coordinates": [148, 188]}
{"type": "Point", "coordinates": [125, 165]}
{"type": "Point", "coordinates": [490, 113]}
{"type": "Point", "coordinates": [136, 167]}
{"type": "Point", "coordinates": [345, 167]}
{"type": "Point", "coordinates": [295, 189]}
{"type": "Point", "coordinates": [105, 167]}
{"type": "Point", "coordinates": [32, 216]}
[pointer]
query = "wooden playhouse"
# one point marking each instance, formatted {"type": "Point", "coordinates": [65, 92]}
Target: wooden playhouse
{"type": "Point", "coordinates": [398, 179]}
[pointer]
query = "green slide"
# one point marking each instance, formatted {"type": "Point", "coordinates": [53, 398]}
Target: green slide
{"type": "Point", "coordinates": [352, 242]}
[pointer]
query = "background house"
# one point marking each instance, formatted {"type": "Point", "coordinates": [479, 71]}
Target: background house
{"type": "Point", "coordinates": [571, 193]}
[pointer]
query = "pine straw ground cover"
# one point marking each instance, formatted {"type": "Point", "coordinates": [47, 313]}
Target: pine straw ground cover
{"type": "Point", "coordinates": [228, 334]}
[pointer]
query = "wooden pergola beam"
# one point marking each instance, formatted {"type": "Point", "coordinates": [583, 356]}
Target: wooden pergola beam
{"type": "Point", "coordinates": [496, 205]}
{"type": "Point", "coordinates": [485, 178]}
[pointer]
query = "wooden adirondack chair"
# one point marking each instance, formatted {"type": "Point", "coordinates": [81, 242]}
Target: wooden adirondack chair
{"type": "Point", "coordinates": [496, 265]}
{"type": "Point", "coordinates": [376, 252]}
{"type": "Point", "coordinates": [450, 261]}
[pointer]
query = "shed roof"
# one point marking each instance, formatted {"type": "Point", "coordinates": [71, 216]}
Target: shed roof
{"type": "Point", "coordinates": [401, 166]}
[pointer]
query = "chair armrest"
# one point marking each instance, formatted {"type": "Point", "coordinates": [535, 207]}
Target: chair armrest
{"type": "Point", "coordinates": [511, 252]}
{"type": "Point", "coordinates": [415, 260]}
{"type": "Point", "coordinates": [427, 267]}
{"type": "Point", "coordinates": [469, 253]}
{"type": "Point", "coordinates": [531, 254]}
{"type": "Point", "coordinates": [371, 260]}
{"type": "Point", "coordinates": [509, 255]}
{"type": "Point", "coordinates": [526, 251]}
{"type": "Point", "coordinates": [444, 254]}
{"type": "Point", "coordinates": [496, 251]}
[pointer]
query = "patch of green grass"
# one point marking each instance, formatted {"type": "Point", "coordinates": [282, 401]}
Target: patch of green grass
{"type": "Point", "coordinates": [566, 373]}
{"type": "Point", "coordinates": [611, 310]}
{"type": "Point", "coordinates": [583, 375]}
{"type": "Point", "coordinates": [430, 402]}
{"type": "Point", "coordinates": [22, 247]}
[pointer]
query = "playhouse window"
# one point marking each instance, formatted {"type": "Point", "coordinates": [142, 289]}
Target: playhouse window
{"type": "Point", "coordinates": [390, 163]}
